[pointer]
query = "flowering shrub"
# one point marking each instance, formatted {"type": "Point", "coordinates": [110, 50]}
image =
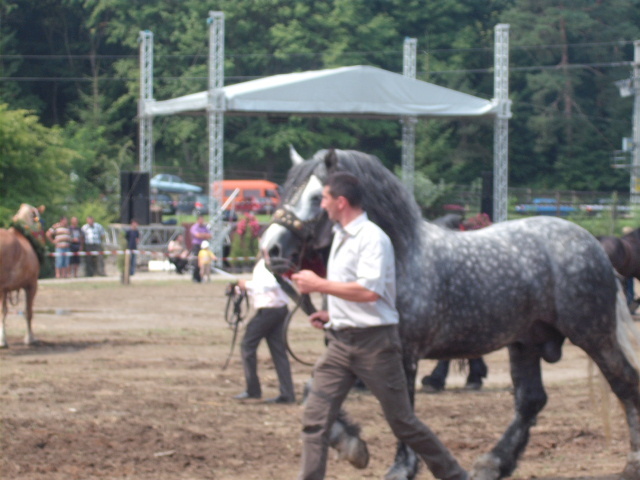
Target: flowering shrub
{"type": "Point", "coordinates": [475, 223]}
{"type": "Point", "coordinates": [248, 220]}
{"type": "Point", "coordinates": [244, 242]}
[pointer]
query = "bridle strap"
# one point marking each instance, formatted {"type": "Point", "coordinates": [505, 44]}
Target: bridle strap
{"type": "Point", "coordinates": [303, 229]}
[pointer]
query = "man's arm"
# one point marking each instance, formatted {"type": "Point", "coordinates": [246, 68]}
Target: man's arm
{"type": "Point", "coordinates": [308, 282]}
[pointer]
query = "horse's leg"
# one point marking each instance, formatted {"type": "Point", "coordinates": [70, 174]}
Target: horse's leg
{"type": "Point", "coordinates": [624, 381]}
{"type": "Point", "coordinates": [405, 466]}
{"type": "Point", "coordinates": [3, 339]}
{"type": "Point", "coordinates": [345, 437]}
{"type": "Point", "coordinates": [30, 296]}
{"type": "Point", "coordinates": [530, 398]}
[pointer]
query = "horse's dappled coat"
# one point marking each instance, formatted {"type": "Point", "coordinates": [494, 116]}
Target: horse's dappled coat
{"type": "Point", "coordinates": [525, 284]}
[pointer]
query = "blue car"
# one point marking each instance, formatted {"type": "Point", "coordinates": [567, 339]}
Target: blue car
{"type": "Point", "coordinates": [165, 182]}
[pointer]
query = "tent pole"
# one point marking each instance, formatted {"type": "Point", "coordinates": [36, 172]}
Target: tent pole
{"type": "Point", "coordinates": [501, 123]}
{"type": "Point", "coordinates": [215, 117]}
{"type": "Point", "coordinates": [408, 122]}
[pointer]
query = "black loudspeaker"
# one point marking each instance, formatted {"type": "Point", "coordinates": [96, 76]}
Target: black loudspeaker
{"type": "Point", "coordinates": [134, 197]}
{"type": "Point", "coordinates": [486, 202]}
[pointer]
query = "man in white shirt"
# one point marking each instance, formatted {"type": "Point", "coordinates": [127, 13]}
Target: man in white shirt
{"type": "Point", "coordinates": [361, 325]}
{"type": "Point", "coordinates": [270, 303]}
{"type": "Point", "coordinates": [93, 234]}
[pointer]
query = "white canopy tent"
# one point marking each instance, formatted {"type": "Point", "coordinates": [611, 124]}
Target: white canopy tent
{"type": "Point", "coordinates": [358, 91]}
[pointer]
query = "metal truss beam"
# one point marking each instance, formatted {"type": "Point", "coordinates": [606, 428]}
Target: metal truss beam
{"type": "Point", "coordinates": [635, 162]}
{"type": "Point", "coordinates": [501, 124]}
{"type": "Point", "coordinates": [409, 123]}
{"type": "Point", "coordinates": [215, 116]}
{"type": "Point", "coordinates": [145, 122]}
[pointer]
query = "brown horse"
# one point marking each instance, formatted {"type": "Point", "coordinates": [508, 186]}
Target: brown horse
{"type": "Point", "coordinates": [624, 253]}
{"type": "Point", "coordinates": [19, 266]}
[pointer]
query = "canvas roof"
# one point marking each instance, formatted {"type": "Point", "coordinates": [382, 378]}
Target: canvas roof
{"type": "Point", "coordinates": [357, 91]}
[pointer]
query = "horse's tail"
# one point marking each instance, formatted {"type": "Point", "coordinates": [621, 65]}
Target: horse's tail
{"type": "Point", "coordinates": [626, 331]}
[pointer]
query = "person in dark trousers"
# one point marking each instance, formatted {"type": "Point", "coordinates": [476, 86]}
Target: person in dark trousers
{"type": "Point", "coordinates": [436, 381]}
{"type": "Point", "coordinates": [77, 244]}
{"type": "Point", "coordinates": [199, 232]}
{"type": "Point", "coordinates": [270, 303]}
{"type": "Point", "coordinates": [361, 326]}
{"type": "Point", "coordinates": [93, 234]}
{"type": "Point", "coordinates": [132, 236]}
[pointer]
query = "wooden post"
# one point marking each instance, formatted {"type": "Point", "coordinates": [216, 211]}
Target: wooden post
{"type": "Point", "coordinates": [127, 266]}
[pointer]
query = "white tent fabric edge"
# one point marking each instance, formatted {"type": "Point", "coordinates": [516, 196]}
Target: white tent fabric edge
{"type": "Point", "coordinates": [356, 91]}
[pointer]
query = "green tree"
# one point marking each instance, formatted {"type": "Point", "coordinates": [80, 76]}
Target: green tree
{"type": "Point", "coordinates": [569, 118]}
{"type": "Point", "coordinates": [34, 163]}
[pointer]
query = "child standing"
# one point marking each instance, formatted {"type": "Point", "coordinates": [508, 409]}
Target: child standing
{"type": "Point", "coordinates": [205, 257]}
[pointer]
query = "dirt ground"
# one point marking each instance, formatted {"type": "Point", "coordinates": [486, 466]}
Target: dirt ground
{"type": "Point", "coordinates": [127, 383]}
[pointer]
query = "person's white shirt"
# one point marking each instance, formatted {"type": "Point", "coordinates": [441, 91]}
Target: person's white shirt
{"type": "Point", "coordinates": [361, 252]}
{"type": "Point", "coordinates": [264, 289]}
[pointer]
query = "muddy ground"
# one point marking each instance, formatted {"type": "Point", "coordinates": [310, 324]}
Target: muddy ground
{"type": "Point", "coordinates": [127, 383]}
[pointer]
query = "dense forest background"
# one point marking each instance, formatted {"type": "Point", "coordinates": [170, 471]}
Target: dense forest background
{"type": "Point", "coordinates": [69, 83]}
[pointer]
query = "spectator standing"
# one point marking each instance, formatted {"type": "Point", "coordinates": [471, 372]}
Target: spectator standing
{"type": "Point", "coordinates": [133, 238]}
{"type": "Point", "coordinates": [43, 223]}
{"type": "Point", "coordinates": [199, 233]}
{"type": "Point", "coordinates": [361, 327]}
{"type": "Point", "coordinates": [93, 234]}
{"type": "Point", "coordinates": [60, 236]}
{"type": "Point", "coordinates": [77, 244]}
{"type": "Point", "coordinates": [41, 234]}
{"type": "Point", "coordinates": [270, 303]}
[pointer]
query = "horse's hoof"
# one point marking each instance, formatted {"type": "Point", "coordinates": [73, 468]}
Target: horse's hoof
{"type": "Point", "coordinates": [355, 451]}
{"type": "Point", "coordinates": [487, 467]}
{"type": "Point", "coordinates": [632, 468]}
{"type": "Point", "coordinates": [400, 473]}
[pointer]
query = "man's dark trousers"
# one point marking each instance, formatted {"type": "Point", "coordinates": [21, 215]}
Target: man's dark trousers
{"type": "Point", "coordinates": [268, 323]}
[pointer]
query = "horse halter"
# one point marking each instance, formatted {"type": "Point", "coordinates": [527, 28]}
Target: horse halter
{"type": "Point", "coordinates": [303, 229]}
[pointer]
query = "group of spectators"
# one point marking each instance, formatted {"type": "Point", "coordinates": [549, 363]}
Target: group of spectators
{"type": "Point", "coordinates": [200, 248]}
{"type": "Point", "coordinates": [68, 237]}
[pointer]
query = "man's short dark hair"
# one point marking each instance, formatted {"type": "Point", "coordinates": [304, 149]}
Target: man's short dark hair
{"type": "Point", "coordinates": [347, 185]}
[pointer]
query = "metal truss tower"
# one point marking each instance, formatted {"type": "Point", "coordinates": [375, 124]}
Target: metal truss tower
{"type": "Point", "coordinates": [501, 123]}
{"type": "Point", "coordinates": [408, 122]}
{"type": "Point", "coordinates": [215, 115]}
{"type": "Point", "coordinates": [145, 122]}
{"type": "Point", "coordinates": [635, 161]}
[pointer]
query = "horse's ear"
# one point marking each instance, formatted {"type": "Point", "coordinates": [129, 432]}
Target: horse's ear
{"type": "Point", "coordinates": [296, 158]}
{"type": "Point", "coordinates": [331, 160]}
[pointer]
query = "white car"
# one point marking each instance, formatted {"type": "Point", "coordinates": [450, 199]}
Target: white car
{"type": "Point", "coordinates": [172, 184]}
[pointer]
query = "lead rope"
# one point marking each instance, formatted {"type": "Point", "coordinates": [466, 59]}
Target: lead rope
{"type": "Point", "coordinates": [302, 301]}
{"type": "Point", "coordinates": [235, 297]}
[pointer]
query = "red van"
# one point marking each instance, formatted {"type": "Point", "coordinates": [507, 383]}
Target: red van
{"type": "Point", "coordinates": [258, 196]}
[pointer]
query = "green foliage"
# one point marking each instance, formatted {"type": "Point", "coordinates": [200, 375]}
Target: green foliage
{"type": "Point", "coordinates": [566, 121]}
{"type": "Point", "coordinates": [429, 195]}
{"type": "Point", "coordinates": [34, 163]}
{"type": "Point", "coordinates": [99, 210]}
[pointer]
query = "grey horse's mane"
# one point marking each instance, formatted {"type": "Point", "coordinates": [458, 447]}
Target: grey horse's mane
{"type": "Point", "coordinates": [387, 202]}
